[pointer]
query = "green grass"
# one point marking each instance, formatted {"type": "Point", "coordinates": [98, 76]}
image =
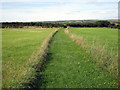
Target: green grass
{"type": "Point", "coordinates": [100, 36]}
{"type": "Point", "coordinates": [18, 46]}
{"type": "Point", "coordinates": [102, 44]}
{"type": "Point", "coordinates": [69, 66]}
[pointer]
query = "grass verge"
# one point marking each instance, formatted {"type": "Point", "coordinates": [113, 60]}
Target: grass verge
{"type": "Point", "coordinates": [35, 64]}
{"type": "Point", "coordinates": [104, 58]}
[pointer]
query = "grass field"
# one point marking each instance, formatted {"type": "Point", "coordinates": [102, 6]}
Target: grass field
{"type": "Point", "coordinates": [99, 36]}
{"type": "Point", "coordinates": [79, 58]}
{"type": "Point", "coordinates": [69, 66]}
{"type": "Point", "coordinates": [102, 44]}
{"type": "Point", "coordinates": [18, 46]}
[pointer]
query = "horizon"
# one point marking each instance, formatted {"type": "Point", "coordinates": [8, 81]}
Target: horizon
{"type": "Point", "coordinates": [57, 10]}
{"type": "Point", "coordinates": [62, 20]}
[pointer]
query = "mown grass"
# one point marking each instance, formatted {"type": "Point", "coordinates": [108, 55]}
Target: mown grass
{"type": "Point", "coordinates": [102, 45]}
{"type": "Point", "coordinates": [69, 66]}
{"type": "Point", "coordinates": [18, 46]}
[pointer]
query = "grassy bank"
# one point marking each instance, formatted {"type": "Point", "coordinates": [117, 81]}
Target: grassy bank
{"type": "Point", "coordinates": [69, 66]}
{"type": "Point", "coordinates": [19, 47]}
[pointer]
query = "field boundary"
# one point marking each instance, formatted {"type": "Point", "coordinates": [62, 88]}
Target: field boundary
{"type": "Point", "coordinates": [35, 63]}
{"type": "Point", "coordinates": [99, 53]}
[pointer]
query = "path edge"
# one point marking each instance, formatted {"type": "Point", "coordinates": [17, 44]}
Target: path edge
{"type": "Point", "coordinates": [35, 64]}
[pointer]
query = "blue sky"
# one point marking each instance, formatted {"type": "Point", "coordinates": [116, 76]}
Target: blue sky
{"type": "Point", "coordinates": [51, 10]}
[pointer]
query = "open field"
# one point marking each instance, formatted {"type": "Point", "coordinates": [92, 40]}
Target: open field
{"type": "Point", "coordinates": [75, 57]}
{"type": "Point", "coordinates": [18, 46]}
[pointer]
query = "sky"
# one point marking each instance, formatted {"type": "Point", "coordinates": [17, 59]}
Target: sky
{"type": "Point", "coordinates": [54, 10]}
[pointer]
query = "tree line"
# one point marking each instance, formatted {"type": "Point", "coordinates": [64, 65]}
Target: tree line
{"type": "Point", "coordinates": [23, 24]}
{"type": "Point", "coordinates": [96, 24]}
{"type": "Point", "coordinates": [51, 25]}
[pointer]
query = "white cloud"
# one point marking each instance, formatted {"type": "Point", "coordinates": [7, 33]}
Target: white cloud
{"type": "Point", "coordinates": [61, 10]}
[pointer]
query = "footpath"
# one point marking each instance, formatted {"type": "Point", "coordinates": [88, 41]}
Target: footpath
{"type": "Point", "coordinates": [69, 66]}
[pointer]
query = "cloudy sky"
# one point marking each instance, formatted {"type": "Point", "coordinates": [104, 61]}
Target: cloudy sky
{"type": "Point", "coordinates": [51, 10]}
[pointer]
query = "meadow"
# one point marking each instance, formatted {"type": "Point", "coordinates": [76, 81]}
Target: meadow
{"type": "Point", "coordinates": [18, 46]}
{"type": "Point", "coordinates": [74, 58]}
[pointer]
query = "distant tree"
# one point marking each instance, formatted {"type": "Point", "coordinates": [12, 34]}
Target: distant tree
{"type": "Point", "coordinates": [102, 23]}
